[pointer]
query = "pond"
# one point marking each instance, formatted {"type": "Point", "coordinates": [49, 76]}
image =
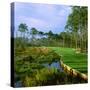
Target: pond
{"type": "Point", "coordinates": [55, 65]}
{"type": "Point", "coordinates": [18, 84]}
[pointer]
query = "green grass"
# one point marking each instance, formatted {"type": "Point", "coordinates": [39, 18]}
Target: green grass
{"type": "Point", "coordinates": [30, 71]}
{"type": "Point", "coordinates": [75, 60]}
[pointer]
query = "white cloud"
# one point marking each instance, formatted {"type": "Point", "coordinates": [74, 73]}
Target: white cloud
{"type": "Point", "coordinates": [32, 22]}
{"type": "Point", "coordinates": [41, 16]}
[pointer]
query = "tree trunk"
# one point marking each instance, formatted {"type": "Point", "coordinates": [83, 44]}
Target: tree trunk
{"type": "Point", "coordinates": [63, 41]}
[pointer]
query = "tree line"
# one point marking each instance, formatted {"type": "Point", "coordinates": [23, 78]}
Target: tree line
{"type": "Point", "coordinates": [77, 27]}
{"type": "Point", "coordinates": [75, 34]}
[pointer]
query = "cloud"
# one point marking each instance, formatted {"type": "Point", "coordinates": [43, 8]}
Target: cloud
{"type": "Point", "coordinates": [44, 17]}
{"type": "Point", "coordinates": [32, 22]}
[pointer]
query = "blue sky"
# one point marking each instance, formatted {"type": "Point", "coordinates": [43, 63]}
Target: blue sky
{"type": "Point", "coordinates": [44, 17]}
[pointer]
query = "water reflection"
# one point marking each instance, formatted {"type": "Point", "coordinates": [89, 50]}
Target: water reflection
{"type": "Point", "coordinates": [56, 65]}
{"type": "Point", "coordinates": [18, 84]}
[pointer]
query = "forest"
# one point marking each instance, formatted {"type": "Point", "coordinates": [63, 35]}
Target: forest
{"type": "Point", "coordinates": [74, 36]}
{"type": "Point", "coordinates": [37, 54]}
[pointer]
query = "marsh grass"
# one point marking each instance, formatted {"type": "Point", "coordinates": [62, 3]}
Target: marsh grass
{"type": "Point", "coordinates": [29, 68]}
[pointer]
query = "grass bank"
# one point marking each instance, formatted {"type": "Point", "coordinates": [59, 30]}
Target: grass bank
{"type": "Point", "coordinates": [78, 61]}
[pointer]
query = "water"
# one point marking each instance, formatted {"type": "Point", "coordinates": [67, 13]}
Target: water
{"type": "Point", "coordinates": [56, 65]}
{"type": "Point", "coordinates": [18, 84]}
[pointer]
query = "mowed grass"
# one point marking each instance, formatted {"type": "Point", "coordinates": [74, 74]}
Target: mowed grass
{"type": "Point", "coordinates": [78, 61]}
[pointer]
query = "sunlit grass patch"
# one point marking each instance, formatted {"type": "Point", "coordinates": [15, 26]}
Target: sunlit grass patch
{"type": "Point", "coordinates": [75, 60]}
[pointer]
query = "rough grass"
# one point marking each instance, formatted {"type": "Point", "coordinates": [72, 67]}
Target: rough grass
{"type": "Point", "coordinates": [30, 71]}
{"type": "Point", "coordinates": [75, 60]}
